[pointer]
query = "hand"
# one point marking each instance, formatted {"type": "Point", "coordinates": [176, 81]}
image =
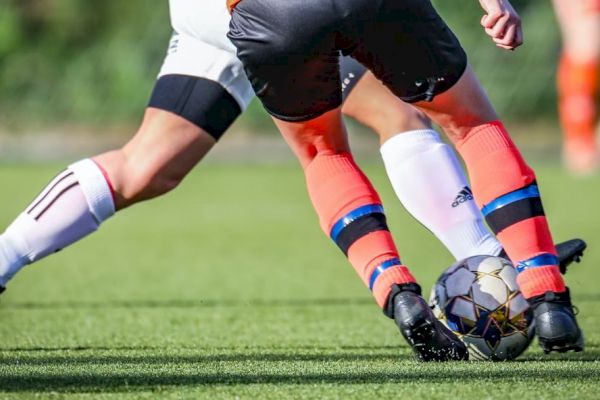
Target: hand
{"type": "Point", "coordinates": [502, 23]}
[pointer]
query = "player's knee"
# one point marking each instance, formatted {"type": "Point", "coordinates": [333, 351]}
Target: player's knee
{"type": "Point", "coordinates": [322, 136]}
{"type": "Point", "coordinates": [407, 118]}
{"type": "Point", "coordinates": [392, 120]}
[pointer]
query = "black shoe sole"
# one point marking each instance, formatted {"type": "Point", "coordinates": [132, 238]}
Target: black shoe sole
{"type": "Point", "coordinates": [425, 332]}
{"type": "Point", "coordinates": [561, 347]}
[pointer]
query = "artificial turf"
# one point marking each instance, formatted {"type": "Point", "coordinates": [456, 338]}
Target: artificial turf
{"type": "Point", "coordinates": [227, 288]}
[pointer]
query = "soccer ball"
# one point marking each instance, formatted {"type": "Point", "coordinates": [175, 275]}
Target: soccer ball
{"type": "Point", "coordinates": [479, 300]}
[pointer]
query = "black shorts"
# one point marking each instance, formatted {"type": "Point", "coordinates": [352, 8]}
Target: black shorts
{"type": "Point", "coordinates": [351, 72]}
{"type": "Point", "coordinates": [290, 49]}
{"type": "Point", "coordinates": [206, 104]}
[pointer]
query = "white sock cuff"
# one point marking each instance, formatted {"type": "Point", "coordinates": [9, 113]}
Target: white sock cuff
{"type": "Point", "coordinates": [409, 141]}
{"type": "Point", "coordinates": [95, 188]}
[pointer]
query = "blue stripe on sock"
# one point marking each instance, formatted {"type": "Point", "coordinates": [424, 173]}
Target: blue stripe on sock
{"type": "Point", "coordinates": [540, 261]}
{"type": "Point", "coordinates": [353, 216]}
{"type": "Point", "coordinates": [526, 192]}
{"type": "Point", "coordinates": [379, 270]}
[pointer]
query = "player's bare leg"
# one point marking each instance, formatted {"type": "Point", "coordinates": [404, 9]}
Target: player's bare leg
{"type": "Point", "coordinates": [578, 82]}
{"type": "Point", "coordinates": [88, 192]}
{"type": "Point", "coordinates": [156, 159]}
{"type": "Point", "coordinates": [505, 188]}
{"type": "Point", "coordinates": [351, 214]}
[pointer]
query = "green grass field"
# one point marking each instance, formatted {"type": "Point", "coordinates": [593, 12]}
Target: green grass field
{"type": "Point", "coordinates": [227, 288]}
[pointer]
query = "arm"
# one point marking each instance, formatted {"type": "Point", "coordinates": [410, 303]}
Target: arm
{"type": "Point", "coordinates": [502, 23]}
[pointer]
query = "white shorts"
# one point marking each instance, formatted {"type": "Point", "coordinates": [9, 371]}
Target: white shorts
{"type": "Point", "coordinates": [200, 47]}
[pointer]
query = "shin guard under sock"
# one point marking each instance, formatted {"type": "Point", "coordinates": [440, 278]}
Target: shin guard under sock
{"type": "Point", "coordinates": [350, 212]}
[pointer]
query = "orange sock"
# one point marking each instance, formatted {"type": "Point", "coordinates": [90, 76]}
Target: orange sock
{"type": "Point", "coordinates": [504, 187]}
{"type": "Point", "coordinates": [578, 85]}
{"type": "Point", "coordinates": [350, 212]}
{"type": "Point", "coordinates": [592, 6]}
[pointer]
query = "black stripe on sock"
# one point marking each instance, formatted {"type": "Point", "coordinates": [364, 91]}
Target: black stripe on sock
{"type": "Point", "coordinates": [359, 228]}
{"type": "Point", "coordinates": [37, 203]}
{"type": "Point", "coordinates": [512, 213]}
{"type": "Point", "coordinates": [56, 198]}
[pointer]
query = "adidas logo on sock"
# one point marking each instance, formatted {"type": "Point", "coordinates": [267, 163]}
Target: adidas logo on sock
{"type": "Point", "coordinates": [464, 195]}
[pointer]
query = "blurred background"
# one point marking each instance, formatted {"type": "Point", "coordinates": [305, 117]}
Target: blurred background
{"type": "Point", "coordinates": [85, 70]}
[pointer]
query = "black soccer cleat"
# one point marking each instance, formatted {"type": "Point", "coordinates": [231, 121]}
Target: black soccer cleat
{"type": "Point", "coordinates": [555, 323]}
{"type": "Point", "coordinates": [568, 252]}
{"type": "Point", "coordinates": [428, 337]}
{"type": "Point", "coordinates": [2, 289]}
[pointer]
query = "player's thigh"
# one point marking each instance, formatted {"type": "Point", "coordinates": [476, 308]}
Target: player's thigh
{"type": "Point", "coordinates": [288, 50]}
{"type": "Point", "coordinates": [372, 104]}
{"type": "Point", "coordinates": [410, 49]}
{"type": "Point", "coordinates": [167, 144]}
{"type": "Point", "coordinates": [185, 118]}
{"type": "Point", "coordinates": [200, 91]}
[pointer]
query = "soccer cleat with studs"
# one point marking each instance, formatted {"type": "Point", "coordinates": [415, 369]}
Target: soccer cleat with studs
{"type": "Point", "coordinates": [569, 252]}
{"type": "Point", "coordinates": [428, 337]}
{"type": "Point", "coordinates": [555, 323]}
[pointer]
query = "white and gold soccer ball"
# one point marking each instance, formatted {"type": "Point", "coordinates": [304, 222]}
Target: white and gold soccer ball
{"type": "Point", "coordinates": [479, 300]}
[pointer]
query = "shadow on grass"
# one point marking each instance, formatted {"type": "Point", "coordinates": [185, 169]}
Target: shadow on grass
{"type": "Point", "coordinates": [109, 373]}
{"type": "Point", "coordinates": [174, 303]}
{"type": "Point", "coordinates": [195, 348]}
{"type": "Point", "coordinates": [117, 382]}
{"type": "Point", "coordinates": [186, 303]}
{"type": "Point", "coordinates": [162, 359]}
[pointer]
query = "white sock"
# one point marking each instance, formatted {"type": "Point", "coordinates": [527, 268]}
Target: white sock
{"type": "Point", "coordinates": [73, 205]}
{"type": "Point", "coordinates": [432, 186]}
